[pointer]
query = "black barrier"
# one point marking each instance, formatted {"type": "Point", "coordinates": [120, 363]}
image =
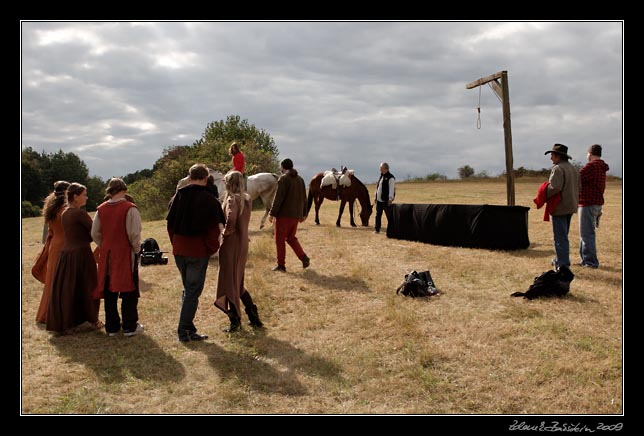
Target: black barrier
{"type": "Point", "coordinates": [462, 225]}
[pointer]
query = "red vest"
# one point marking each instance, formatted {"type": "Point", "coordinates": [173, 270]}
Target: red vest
{"type": "Point", "coordinates": [115, 249]}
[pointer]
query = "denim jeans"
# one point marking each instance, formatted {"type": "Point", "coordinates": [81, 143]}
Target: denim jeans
{"type": "Point", "coordinates": [588, 218]}
{"type": "Point", "coordinates": [560, 228]}
{"type": "Point", "coordinates": [193, 277]}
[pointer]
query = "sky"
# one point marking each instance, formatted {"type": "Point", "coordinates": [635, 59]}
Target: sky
{"type": "Point", "coordinates": [329, 93]}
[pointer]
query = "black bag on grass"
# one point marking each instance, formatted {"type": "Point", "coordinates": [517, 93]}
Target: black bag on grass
{"type": "Point", "coordinates": [417, 285]}
{"type": "Point", "coordinates": [151, 254]}
{"type": "Point", "coordinates": [549, 284]}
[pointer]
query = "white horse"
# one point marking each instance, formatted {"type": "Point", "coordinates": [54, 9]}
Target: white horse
{"type": "Point", "coordinates": [263, 185]}
{"type": "Point", "coordinates": [219, 183]}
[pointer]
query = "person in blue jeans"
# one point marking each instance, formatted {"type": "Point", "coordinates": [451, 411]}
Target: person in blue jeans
{"type": "Point", "coordinates": [564, 178]}
{"type": "Point", "coordinates": [591, 200]}
{"type": "Point", "coordinates": [194, 223]}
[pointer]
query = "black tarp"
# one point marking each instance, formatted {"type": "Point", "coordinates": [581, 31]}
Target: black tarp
{"type": "Point", "coordinates": [463, 225]}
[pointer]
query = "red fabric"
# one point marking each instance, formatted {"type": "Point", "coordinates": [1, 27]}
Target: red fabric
{"type": "Point", "coordinates": [542, 199]}
{"type": "Point", "coordinates": [115, 248]}
{"type": "Point", "coordinates": [285, 229]}
{"type": "Point", "coordinates": [39, 270]}
{"type": "Point", "coordinates": [239, 162]}
{"type": "Point", "coordinates": [195, 246]}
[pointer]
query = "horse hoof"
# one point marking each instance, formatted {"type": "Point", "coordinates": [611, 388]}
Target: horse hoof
{"type": "Point", "coordinates": [261, 227]}
{"type": "Point", "coordinates": [353, 225]}
{"type": "Point", "coordinates": [338, 225]}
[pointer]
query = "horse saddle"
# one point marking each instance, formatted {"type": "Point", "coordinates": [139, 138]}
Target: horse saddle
{"type": "Point", "coordinates": [334, 177]}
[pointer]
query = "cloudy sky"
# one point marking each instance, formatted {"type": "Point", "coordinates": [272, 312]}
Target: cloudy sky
{"type": "Point", "coordinates": [329, 93]}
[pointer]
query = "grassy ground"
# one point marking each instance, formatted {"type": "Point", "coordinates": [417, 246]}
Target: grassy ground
{"type": "Point", "coordinates": [338, 338]}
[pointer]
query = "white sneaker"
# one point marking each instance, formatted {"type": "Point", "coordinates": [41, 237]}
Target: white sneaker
{"type": "Point", "coordinates": [112, 335]}
{"type": "Point", "coordinates": [139, 329]}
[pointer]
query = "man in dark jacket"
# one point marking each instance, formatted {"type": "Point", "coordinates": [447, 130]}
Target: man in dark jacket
{"type": "Point", "coordinates": [385, 194]}
{"type": "Point", "coordinates": [289, 209]}
{"type": "Point", "coordinates": [195, 220]}
{"type": "Point", "coordinates": [591, 199]}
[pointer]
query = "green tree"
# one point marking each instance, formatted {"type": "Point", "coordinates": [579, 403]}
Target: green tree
{"type": "Point", "coordinates": [153, 193]}
{"type": "Point", "coordinates": [95, 192]}
{"type": "Point", "coordinates": [465, 172]}
{"type": "Point", "coordinates": [34, 187]}
{"type": "Point", "coordinates": [137, 175]}
{"type": "Point", "coordinates": [29, 210]}
{"type": "Point", "coordinates": [41, 170]}
{"type": "Point", "coordinates": [482, 175]}
{"type": "Point", "coordinates": [234, 129]}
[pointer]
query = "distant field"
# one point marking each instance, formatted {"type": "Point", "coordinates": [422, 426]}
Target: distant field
{"type": "Point", "coordinates": [339, 340]}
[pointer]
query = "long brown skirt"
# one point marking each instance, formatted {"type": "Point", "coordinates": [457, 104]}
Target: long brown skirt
{"type": "Point", "coordinates": [71, 302]}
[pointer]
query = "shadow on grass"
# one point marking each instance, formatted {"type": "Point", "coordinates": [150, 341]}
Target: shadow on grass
{"type": "Point", "coordinates": [569, 297]}
{"type": "Point", "coordinates": [256, 232]}
{"type": "Point", "coordinates": [338, 283]}
{"type": "Point", "coordinates": [578, 298]}
{"type": "Point", "coordinates": [532, 253]}
{"type": "Point", "coordinates": [288, 355]}
{"type": "Point", "coordinates": [602, 268]}
{"type": "Point", "coordinates": [114, 359]}
{"type": "Point", "coordinates": [251, 371]}
{"type": "Point", "coordinates": [267, 365]}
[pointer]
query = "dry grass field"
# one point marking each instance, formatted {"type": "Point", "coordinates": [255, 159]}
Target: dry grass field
{"type": "Point", "coordinates": [338, 340]}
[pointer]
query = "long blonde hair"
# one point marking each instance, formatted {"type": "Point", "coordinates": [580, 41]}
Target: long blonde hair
{"type": "Point", "coordinates": [234, 182]}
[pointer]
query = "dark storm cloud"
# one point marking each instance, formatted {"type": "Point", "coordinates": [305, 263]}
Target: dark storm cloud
{"type": "Point", "coordinates": [352, 93]}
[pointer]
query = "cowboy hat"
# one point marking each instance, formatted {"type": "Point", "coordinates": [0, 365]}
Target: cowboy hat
{"type": "Point", "coordinates": [559, 149]}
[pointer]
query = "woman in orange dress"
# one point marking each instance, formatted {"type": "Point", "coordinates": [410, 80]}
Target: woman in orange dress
{"type": "Point", "coordinates": [52, 210]}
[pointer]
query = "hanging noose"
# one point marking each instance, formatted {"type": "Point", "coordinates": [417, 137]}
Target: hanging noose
{"type": "Point", "coordinates": [478, 119]}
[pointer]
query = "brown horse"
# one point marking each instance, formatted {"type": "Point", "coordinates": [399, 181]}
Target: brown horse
{"type": "Point", "coordinates": [357, 190]}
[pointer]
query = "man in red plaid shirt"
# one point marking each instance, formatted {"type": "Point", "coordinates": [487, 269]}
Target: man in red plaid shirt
{"type": "Point", "coordinates": [591, 199]}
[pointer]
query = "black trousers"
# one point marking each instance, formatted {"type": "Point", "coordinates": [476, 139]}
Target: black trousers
{"type": "Point", "coordinates": [129, 309]}
{"type": "Point", "coordinates": [380, 207]}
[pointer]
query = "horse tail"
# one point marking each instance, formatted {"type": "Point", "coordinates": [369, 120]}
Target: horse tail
{"type": "Point", "coordinates": [309, 202]}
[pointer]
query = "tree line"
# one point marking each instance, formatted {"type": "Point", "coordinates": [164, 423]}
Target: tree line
{"type": "Point", "coordinates": [467, 172]}
{"type": "Point", "coordinates": [39, 171]}
{"type": "Point", "coordinates": [151, 188]}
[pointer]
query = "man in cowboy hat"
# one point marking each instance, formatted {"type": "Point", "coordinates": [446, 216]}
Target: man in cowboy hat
{"type": "Point", "coordinates": [564, 178]}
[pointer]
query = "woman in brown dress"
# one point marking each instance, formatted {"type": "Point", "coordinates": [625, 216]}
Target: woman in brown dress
{"type": "Point", "coordinates": [71, 303]}
{"type": "Point", "coordinates": [233, 255]}
{"type": "Point", "coordinates": [54, 206]}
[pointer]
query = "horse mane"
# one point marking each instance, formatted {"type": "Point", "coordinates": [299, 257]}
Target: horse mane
{"type": "Point", "coordinates": [360, 184]}
{"type": "Point", "coordinates": [353, 176]}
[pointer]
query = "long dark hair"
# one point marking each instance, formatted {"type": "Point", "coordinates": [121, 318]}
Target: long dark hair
{"type": "Point", "coordinates": [55, 201]}
{"type": "Point", "coordinates": [74, 189]}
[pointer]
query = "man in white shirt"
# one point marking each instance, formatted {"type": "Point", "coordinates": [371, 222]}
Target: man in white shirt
{"type": "Point", "coordinates": [385, 194]}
